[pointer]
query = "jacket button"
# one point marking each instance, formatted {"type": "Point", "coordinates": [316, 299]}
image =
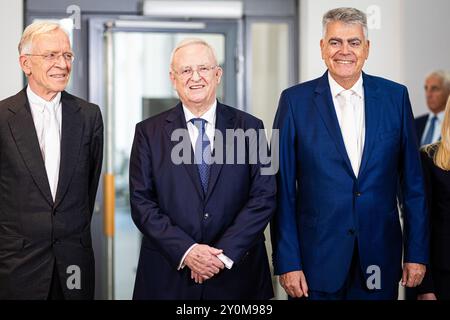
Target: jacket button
{"type": "Point", "coordinates": [358, 194]}
{"type": "Point", "coordinates": [206, 216]}
{"type": "Point", "coordinates": [56, 242]}
{"type": "Point", "coordinates": [351, 232]}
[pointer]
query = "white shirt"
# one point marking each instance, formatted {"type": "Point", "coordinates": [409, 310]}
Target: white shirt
{"type": "Point", "coordinates": [437, 126]}
{"type": "Point", "coordinates": [37, 106]}
{"type": "Point", "coordinates": [210, 127]}
{"type": "Point", "coordinates": [41, 120]}
{"type": "Point", "coordinates": [357, 99]}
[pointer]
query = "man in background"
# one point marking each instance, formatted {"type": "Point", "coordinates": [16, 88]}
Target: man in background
{"type": "Point", "coordinates": [437, 91]}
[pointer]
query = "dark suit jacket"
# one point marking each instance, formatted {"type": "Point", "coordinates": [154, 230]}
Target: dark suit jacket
{"type": "Point", "coordinates": [437, 182]}
{"type": "Point", "coordinates": [169, 208]}
{"type": "Point", "coordinates": [35, 231]}
{"type": "Point", "coordinates": [324, 209]}
{"type": "Point", "coordinates": [420, 123]}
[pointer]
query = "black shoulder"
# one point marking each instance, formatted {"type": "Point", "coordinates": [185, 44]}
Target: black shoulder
{"type": "Point", "coordinates": [76, 101]}
{"type": "Point", "coordinates": [19, 98]}
{"type": "Point", "coordinates": [160, 118]}
{"type": "Point", "coordinates": [242, 119]}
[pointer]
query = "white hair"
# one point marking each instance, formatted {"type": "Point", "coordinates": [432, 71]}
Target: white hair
{"type": "Point", "coordinates": [192, 41]}
{"type": "Point", "coordinates": [443, 75]}
{"type": "Point", "coordinates": [33, 30]}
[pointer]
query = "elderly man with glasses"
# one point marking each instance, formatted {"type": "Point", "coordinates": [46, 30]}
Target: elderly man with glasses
{"type": "Point", "coordinates": [51, 145]}
{"type": "Point", "coordinates": [202, 221]}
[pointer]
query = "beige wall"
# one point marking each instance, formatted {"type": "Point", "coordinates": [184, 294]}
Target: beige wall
{"type": "Point", "coordinates": [11, 22]}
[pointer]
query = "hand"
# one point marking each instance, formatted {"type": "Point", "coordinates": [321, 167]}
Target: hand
{"type": "Point", "coordinates": [197, 277]}
{"type": "Point", "coordinates": [427, 296]}
{"type": "Point", "coordinates": [294, 283]}
{"type": "Point", "coordinates": [413, 274]}
{"type": "Point", "coordinates": [202, 260]}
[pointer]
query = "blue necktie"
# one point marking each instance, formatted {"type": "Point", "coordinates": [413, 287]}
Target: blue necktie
{"type": "Point", "coordinates": [430, 133]}
{"type": "Point", "coordinates": [202, 152]}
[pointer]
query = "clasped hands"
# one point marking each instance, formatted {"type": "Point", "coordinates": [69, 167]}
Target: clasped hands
{"type": "Point", "coordinates": [203, 262]}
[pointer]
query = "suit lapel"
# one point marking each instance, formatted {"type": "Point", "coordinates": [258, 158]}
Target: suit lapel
{"type": "Point", "coordinates": [224, 121]}
{"type": "Point", "coordinates": [325, 105]}
{"type": "Point", "coordinates": [372, 117]}
{"type": "Point", "coordinates": [176, 120]}
{"type": "Point", "coordinates": [24, 133]}
{"type": "Point", "coordinates": [71, 139]}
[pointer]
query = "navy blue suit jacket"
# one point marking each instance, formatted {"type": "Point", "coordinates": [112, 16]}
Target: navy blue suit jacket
{"type": "Point", "coordinates": [324, 209]}
{"type": "Point", "coordinates": [169, 208]}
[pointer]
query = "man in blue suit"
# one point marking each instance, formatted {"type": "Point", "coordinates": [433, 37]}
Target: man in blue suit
{"type": "Point", "coordinates": [345, 140]}
{"type": "Point", "coordinates": [202, 222]}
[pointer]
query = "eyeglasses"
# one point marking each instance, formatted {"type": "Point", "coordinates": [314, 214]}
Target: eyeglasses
{"type": "Point", "coordinates": [189, 72]}
{"type": "Point", "coordinates": [53, 57]}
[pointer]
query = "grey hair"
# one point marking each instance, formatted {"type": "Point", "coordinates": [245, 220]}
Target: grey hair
{"type": "Point", "coordinates": [347, 16]}
{"type": "Point", "coordinates": [33, 30]}
{"type": "Point", "coordinates": [192, 41]}
{"type": "Point", "coordinates": [443, 75]}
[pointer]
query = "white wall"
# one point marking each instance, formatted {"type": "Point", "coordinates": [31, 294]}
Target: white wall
{"type": "Point", "coordinates": [412, 40]}
{"type": "Point", "coordinates": [426, 44]}
{"type": "Point", "coordinates": [11, 22]}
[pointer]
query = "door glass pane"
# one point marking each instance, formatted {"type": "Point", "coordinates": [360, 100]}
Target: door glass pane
{"type": "Point", "coordinates": [142, 88]}
{"type": "Point", "coordinates": [270, 70]}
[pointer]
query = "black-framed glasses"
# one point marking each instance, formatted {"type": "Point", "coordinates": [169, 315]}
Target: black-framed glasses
{"type": "Point", "coordinates": [53, 57]}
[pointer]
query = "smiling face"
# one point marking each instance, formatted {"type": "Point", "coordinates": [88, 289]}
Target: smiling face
{"type": "Point", "coordinates": [344, 50]}
{"type": "Point", "coordinates": [47, 78]}
{"type": "Point", "coordinates": [197, 91]}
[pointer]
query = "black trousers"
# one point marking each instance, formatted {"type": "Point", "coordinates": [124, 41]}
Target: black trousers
{"type": "Point", "coordinates": [55, 292]}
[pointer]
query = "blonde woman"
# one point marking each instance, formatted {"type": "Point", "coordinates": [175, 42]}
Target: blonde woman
{"type": "Point", "coordinates": [436, 166]}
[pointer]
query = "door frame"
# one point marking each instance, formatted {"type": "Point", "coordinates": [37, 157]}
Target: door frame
{"type": "Point", "coordinates": [232, 29]}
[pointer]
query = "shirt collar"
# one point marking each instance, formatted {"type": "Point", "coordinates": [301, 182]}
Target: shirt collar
{"type": "Point", "coordinates": [209, 116]}
{"type": "Point", "coordinates": [440, 116]}
{"type": "Point", "coordinates": [336, 88]}
{"type": "Point", "coordinates": [39, 102]}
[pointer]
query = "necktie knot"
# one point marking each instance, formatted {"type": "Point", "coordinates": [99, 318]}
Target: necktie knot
{"type": "Point", "coordinates": [345, 97]}
{"type": "Point", "coordinates": [199, 123]}
{"type": "Point", "coordinates": [51, 107]}
{"type": "Point", "coordinates": [346, 93]}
